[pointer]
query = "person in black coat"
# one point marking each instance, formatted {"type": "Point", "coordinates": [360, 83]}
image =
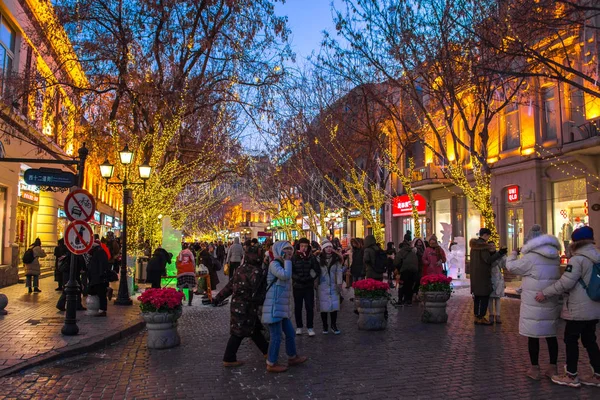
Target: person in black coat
{"type": "Point", "coordinates": [305, 270]}
{"type": "Point", "coordinates": [157, 267]}
{"type": "Point", "coordinates": [97, 273]}
{"type": "Point", "coordinates": [59, 251]}
{"type": "Point", "coordinates": [65, 265]}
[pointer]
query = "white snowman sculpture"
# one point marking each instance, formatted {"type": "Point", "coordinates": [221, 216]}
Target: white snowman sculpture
{"type": "Point", "coordinates": [456, 259]}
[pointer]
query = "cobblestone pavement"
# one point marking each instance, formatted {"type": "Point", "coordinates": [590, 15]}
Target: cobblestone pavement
{"type": "Point", "coordinates": [410, 360]}
{"type": "Point", "coordinates": [32, 327]}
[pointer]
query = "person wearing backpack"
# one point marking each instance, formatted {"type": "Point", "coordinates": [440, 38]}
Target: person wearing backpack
{"type": "Point", "coordinates": [244, 309]}
{"type": "Point", "coordinates": [580, 312]}
{"type": "Point", "coordinates": [32, 265]}
{"type": "Point", "coordinates": [407, 265]}
{"type": "Point", "coordinates": [375, 259]}
{"type": "Point", "coordinates": [277, 308]}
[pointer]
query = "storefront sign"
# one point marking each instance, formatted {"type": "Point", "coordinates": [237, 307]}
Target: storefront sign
{"type": "Point", "coordinates": [353, 214]}
{"type": "Point", "coordinates": [108, 220]}
{"type": "Point", "coordinates": [117, 223]}
{"type": "Point", "coordinates": [282, 222]}
{"type": "Point", "coordinates": [97, 218]}
{"type": "Point", "coordinates": [28, 192]}
{"type": "Point", "coordinates": [30, 196]}
{"type": "Point", "coordinates": [513, 193]}
{"type": "Point", "coordinates": [61, 213]}
{"type": "Point", "coordinates": [402, 207]}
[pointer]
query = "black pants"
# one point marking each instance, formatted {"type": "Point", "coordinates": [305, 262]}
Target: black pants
{"type": "Point", "coordinates": [587, 331]}
{"type": "Point", "coordinates": [534, 350]}
{"type": "Point", "coordinates": [62, 300]}
{"type": "Point", "coordinates": [304, 296]}
{"type": "Point", "coordinates": [480, 304]}
{"type": "Point", "coordinates": [235, 341]}
{"type": "Point", "coordinates": [232, 267]}
{"type": "Point", "coordinates": [405, 294]}
{"type": "Point", "coordinates": [100, 291]}
{"type": "Point", "coordinates": [333, 315]}
{"type": "Point", "coordinates": [156, 284]}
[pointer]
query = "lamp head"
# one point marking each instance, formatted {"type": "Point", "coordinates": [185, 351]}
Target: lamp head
{"type": "Point", "coordinates": [126, 155]}
{"type": "Point", "coordinates": [106, 169]}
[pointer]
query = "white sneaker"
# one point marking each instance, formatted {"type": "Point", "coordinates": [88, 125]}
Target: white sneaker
{"type": "Point", "coordinates": [311, 332]}
{"type": "Point", "coordinates": [298, 331]}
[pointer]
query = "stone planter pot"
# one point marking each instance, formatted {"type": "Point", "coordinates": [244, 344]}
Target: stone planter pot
{"type": "Point", "coordinates": [435, 306]}
{"type": "Point", "coordinates": [371, 313]}
{"type": "Point", "coordinates": [162, 329]}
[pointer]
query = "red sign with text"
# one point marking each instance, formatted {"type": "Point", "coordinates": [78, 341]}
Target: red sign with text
{"type": "Point", "coordinates": [402, 207]}
{"type": "Point", "coordinates": [513, 193]}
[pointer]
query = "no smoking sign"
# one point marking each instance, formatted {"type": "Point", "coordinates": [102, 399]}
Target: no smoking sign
{"type": "Point", "coordinates": [79, 237]}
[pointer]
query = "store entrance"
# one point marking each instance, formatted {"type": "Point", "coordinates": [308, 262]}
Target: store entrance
{"type": "Point", "coordinates": [24, 227]}
{"type": "Point", "coordinates": [514, 227]}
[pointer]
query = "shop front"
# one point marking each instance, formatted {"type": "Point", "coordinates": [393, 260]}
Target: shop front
{"type": "Point", "coordinates": [402, 210]}
{"type": "Point", "coordinates": [355, 224]}
{"type": "Point", "coordinates": [27, 209]}
{"type": "Point", "coordinates": [455, 219]}
{"type": "Point", "coordinates": [570, 208]}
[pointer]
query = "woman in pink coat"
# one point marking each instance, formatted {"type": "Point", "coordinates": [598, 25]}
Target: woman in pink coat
{"type": "Point", "coordinates": [433, 258]}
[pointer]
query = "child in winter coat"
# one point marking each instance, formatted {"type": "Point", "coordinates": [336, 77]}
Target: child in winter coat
{"type": "Point", "coordinates": [330, 286]}
{"type": "Point", "coordinates": [498, 287]}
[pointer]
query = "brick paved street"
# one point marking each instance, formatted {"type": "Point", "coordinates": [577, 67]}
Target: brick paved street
{"type": "Point", "coordinates": [409, 360]}
{"type": "Point", "coordinates": [32, 327]}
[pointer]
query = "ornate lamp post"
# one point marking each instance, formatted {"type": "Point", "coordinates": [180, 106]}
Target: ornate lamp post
{"type": "Point", "coordinates": [107, 170]}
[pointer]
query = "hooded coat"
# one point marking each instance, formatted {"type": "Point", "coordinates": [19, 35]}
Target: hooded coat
{"type": "Point", "coordinates": [431, 260]}
{"type": "Point", "coordinates": [33, 268]}
{"type": "Point", "coordinates": [577, 305]}
{"type": "Point", "coordinates": [540, 267]}
{"type": "Point", "coordinates": [331, 275]}
{"type": "Point", "coordinates": [157, 265]}
{"type": "Point", "coordinates": [406, 260]}
{"type": "Point", "coordinates": [244, 312]}
{"type": "Point", "coordinates": [357, 266]}
{"type": "Point", "coordinates": [98, 267]}
{"type": "Point", "coordinates": [305, 269]}
{"type": "Point", "coordinates": [370, 255]}
{"type": "Point", "coordinates": [481, 267]}
{"type": "Point", "coordinates": [278, 300]}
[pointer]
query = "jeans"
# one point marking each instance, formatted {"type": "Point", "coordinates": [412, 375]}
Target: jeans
{"type": "Point", "coordinates": [405, 294]}
{"type": "Point", "coordinates": [100, 291]}
{"type": "Point", "coordinates": [235, 341]}
{"type": "Point", "coordinates": [587, 331]}
{"type": "Point", "coordinates": [534, 349]}
{"type": "Point", "coordinates": [333, 315]}
{"type": "Point", "coordinates": [306, 296]}
{"type": "Point", "coordinates": [480, 304]}
{"type": "Point", "coordinates": [290, 340]}
{"type": "Point", "coordinates": [36, 280]}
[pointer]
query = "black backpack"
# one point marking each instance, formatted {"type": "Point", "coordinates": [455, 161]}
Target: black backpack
{"type": "Point", "coordinates": [260, 292]}
{"type": "Point", "coordinates": [380, 264]}
{"type": "Point", "coordinates": [28, 257]}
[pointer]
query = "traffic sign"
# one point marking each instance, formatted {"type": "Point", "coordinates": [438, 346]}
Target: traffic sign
{"type": "Point", "coordinates": [80, 205]}
{"type": "Point", "coordinates": [79, 237]}
{"type": "Point", "coordinates": [49, 177]}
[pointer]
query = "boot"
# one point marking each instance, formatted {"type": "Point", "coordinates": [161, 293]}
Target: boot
{"type": "Point", "coordinates": [276, 368]}
{"type": "Point", "coordinates": [551, 371]}
{"type": "Point", "coordinates": [534, 372]}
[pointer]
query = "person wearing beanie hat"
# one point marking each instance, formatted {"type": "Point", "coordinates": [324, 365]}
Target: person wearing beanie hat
{"type": "Point", "coordinates": [481, 260]}
{"type": "Point", "coordinates": [305, 270]}
{"type": "Point", "coordinates": [325, 243]}
{"type": "Point", "coordinates": [539, 265]}
{"type": "Point", "coordinates": [330, 286]}
{"type": "Point", "coordinates": [433, 258]}
{"type": "Point", "coordinates": [579, 311]}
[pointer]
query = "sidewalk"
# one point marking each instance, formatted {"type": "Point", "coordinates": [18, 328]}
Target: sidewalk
{"type": "Point", "coordinates": [31, 331]}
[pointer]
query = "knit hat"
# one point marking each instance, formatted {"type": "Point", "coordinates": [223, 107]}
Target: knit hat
{"type": "Point", "coordinates": [484, 231]}
{"type": "Point", "coordinates": [325, 243]}
{"type": "Point", "coordinates": [534, 231]}
{"type": "Point", "coordinates": [408, 236]}
{"type": "Point", "coordinates": [583, 233]}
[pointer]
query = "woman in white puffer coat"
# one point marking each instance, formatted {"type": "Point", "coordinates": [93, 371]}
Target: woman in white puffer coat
{"type": "Point", "coordinates": [539, 267]}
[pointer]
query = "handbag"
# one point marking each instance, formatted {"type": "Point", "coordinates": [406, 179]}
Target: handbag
{"type": "Point", "coordinates": [226, 269]}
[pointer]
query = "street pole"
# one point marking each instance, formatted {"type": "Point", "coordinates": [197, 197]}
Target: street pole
{"type": "Point", "coordinates": [123, 295]}
{"type": "Point", "coordinates": [70, 327]}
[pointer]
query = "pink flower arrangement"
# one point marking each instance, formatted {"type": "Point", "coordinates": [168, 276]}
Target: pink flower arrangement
{"type": "Point", "coordinates": [160, 300]}
{"type": "Point", "coordinates": [371, 288]}
{"type": "Point", "coordinates": [436, 283]}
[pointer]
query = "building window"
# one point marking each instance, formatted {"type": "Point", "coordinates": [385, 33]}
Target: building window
{"type": "Point", "coordinates": [512, 131]}
{"type": "Point", "coordinates": [7, 50]}
{"type": "Point", "coordinates": [442, 218]}
{"type": "Point", "coordinates": [570, 208]}
{"type": "Point", "coordinates": [549, 117]}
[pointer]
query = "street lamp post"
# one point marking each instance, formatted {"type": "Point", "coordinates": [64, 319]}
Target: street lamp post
{"type": "Point", "coordinates": [106, 170]}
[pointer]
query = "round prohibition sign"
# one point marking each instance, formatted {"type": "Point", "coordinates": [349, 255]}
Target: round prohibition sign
{"type": "Point", "coordinates": [80, 205]}
{"type": "Point", "coordinates": [79, 237]}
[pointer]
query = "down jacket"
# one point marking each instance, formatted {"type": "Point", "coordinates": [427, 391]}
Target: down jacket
{"type": "Point", "coordinates": [34, 267]}
{"type": "Point", "coordinates": [328, 291]}
{"type": "Point", "coordinates": [406, 259]}
{"type": "Point", "coordinates": [539, 267]}
{"type": "Point", "coordinates": [577, 306]}
{"type": "Point", "coordinates": [305, 269]}
{"type": "Point", "coordinates": [278, 300]}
